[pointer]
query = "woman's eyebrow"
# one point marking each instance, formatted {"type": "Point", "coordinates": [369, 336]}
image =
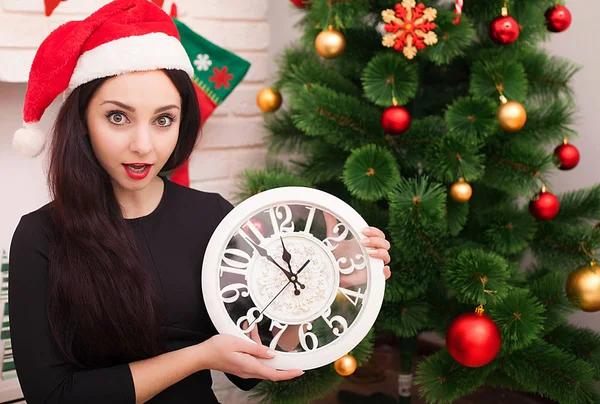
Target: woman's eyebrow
{"type": "Point", "coordinates": [128, 108]}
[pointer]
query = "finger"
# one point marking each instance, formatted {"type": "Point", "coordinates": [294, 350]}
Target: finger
{"type": "Point", "coordinates": [279, 375]}
{"type": "Point", "coordinates": [376, 242]}
{"type": "Point", "coordinates": [254, 336]}
{"type": "Point", "coordinates": [258, 350]}
{"type": "Point", "coordinates": [380, 253]}
{"type": "Point", "coordinates": [387, 272]}
{"type": "Point", "coordinates": [373, 231]}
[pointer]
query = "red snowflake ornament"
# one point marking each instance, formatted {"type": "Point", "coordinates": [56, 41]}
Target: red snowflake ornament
{"type": "Point", "coordinates": [221, 77]}
{"type": "Point", "coordinates": [411, 27]}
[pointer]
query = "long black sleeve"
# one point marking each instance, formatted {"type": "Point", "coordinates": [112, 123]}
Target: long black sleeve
{"type": "Point", "coordinates": [43, 375]}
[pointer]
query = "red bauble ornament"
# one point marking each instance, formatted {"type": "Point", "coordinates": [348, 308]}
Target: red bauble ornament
{"type": "Point", "coordinates": [568, 156]}
{"type": "Point", "coordinates": [504, 30]}
{"type": "Point", "coordinates": [300, 3]}
{"type": "Point", "coordinates": [558, 18]}
{"type": "Point", "coordinates": [473, 339]}
{"type": "Point", "coordinates": [545, 206]}
{"type": "Point", "coordinates": [395, 120]}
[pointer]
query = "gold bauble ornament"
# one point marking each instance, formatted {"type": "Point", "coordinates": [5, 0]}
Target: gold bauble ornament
{"type": "Point", "coordinates": [461, 191]}
{"type": "Point", "coordinates": [330, 43]}
{"type": "Point", "coordinates": [583, 288]}
{"type": "Point", "coordinates": [345, 366]}
{"type": "Point", "coordinates": [268, 100]}
{"type": "Point", "coordinates": [511, 116]}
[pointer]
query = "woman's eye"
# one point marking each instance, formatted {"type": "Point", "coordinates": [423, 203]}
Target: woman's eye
{"type": "Point", "coordinates": [164, 121]}
{"type": "Point", "coordinates": [117, 118]}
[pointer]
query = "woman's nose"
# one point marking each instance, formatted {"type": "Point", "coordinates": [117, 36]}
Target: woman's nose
{"type": "Point", "coordinates": [141, 142]}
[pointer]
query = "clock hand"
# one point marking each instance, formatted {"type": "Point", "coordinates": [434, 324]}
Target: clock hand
{"type": "Point", "coordinates": [286, 256]}
{"type": "Point", "coordinates": [277, 295]}
{"type": "Point", "coordinates": [264, 253]}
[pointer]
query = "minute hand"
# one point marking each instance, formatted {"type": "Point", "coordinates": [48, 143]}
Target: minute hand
{"type": "Point", "coordinates": [264, 253]}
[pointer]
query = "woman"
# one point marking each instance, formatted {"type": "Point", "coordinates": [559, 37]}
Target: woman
{"type": "Point", "coordinates": [105, 294]}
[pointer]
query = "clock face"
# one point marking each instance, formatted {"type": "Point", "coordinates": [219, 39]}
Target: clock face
{"type": "Point", "coordinates": [286, 268]}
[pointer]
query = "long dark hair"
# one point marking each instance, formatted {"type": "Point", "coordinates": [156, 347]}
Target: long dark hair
{"type": "Point", "coordinates": [102, 304]}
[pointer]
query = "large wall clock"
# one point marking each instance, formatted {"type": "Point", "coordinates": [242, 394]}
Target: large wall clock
{"type": "Point", "coordinates": [286, 266]}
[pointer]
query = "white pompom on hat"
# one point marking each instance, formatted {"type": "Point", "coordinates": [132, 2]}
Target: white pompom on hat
{"type": "Point", "coordinates": [121, 37]}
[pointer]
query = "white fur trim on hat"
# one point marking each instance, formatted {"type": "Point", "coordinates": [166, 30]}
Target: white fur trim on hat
{"type": "Point", "coordinates": [135, 53]}
{"type": "Point", "coordinates": [29, 140]}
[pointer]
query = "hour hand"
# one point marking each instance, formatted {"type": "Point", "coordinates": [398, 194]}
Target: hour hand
{"type": "Point", "coordinates": [286, 256]}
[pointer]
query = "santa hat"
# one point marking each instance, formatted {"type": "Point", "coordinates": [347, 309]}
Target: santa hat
{"type": "Point", "coordinates": [123, 36]}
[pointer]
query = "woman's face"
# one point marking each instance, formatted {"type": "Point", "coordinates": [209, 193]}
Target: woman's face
{"type": "Point", "coordinates": [133, 124]}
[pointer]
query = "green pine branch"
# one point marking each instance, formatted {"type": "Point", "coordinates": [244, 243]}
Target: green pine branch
{"type": "Point", "coordinates": [475, 276]}
{"type": "Point", "coordinates": [508, 228]}
{"type": "Point", "coordinates": [452, 157]}
{"type": "Point", "coordinates": [559, 247]}
{"type": "Point", "coordinates": [489, 77]}
{"type": "Point", "coordinates": [551, 372]}
{"type": "Point", "coordinates": [580, 342]}
{"type": "Point", "coordinates": [341, 120]}
{"type": "Point", "coordinates": [549, 76]}
{"type": "Point", "coordinates": [251, 182]}
{"type": "Point", "coordinates": [389, 75]}
{"type": "Point", "coordinates": [441, 379]}
{"type": "Point", "coordinates": [405, 319]}
{"type": "Point", "coordinates": [453, 40]}
{"type": "Point", "coordinates": [472, 118]}
{"type": "Point", "coordinates": [516, 169]}
{"type": "Point", "coordinates": [520, 317]}
{"type": "Point", "coordinates": [580, 206]}
{"type": "Point", "coordinates": [371, 173]}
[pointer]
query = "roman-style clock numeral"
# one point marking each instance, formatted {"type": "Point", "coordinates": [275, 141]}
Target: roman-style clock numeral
{"type": "Point", "coordinates": [342, 323]}
{"type": "Point", "coordinates": [281, 327]}
{"type": "Point", "coordinates": [250, 320]}
{"type": "Point", "coordinates": [333, 242]}
{"type": "Point", "coordinates": [237, 265]}
{"type": "Point", "coordinates": [352, 294]}
{"type": "Point", "coordinates": [254, 231]}
{"type": "Point", "coordinates": [303, 336]}
{"type": "Point", "coordinates": [276, 215]}
{"type": "Point", "coordinates": [310, 218]}
{"type": "Point", "coordinates": [346, 268]}
{"type": "Point", "coordinates": [236, 289]}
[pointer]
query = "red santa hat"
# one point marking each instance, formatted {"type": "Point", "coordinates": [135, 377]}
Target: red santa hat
{"type": "Point", "coordinates": [123, 36]}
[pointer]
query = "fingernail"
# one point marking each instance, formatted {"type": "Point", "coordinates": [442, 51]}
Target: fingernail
{"type": "Point", "coordinates": [367, 230]}
{"type": "Point", "coordinates": [271, 353]}
{"type": "Point", "coordinates": [365, 241]}
{"type": "Point", "coordinates": [371, 251]}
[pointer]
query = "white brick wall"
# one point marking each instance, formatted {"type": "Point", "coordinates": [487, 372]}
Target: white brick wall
{"type": "Point", "coordinates": [232, 138]}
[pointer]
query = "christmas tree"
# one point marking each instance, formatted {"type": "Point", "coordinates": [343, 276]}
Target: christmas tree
{"type": "Point", "coordinates": [441, 123]}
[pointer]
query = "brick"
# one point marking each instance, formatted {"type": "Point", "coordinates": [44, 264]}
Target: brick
{"type": "Point", "coordinates": [21, 31]}
{"type": "Point", "coordinates": [64, 7]}
{"type": "Point", "coordinates": [224, 9]}
{"type": "Point", "coordinates": [259, 66]}
{"type": "Point", "coordinates": [209, 165]}
{"type": "Point", "coordinates": [232, 35]}
{"type": "Point", "coordinates": [242, 101]}
{"type": "Point", "coordinates": [240, 160]}
{"type": "Point", "coordinates": [231, 132]}
{"type": "Point", "coordinates": [15, 64]}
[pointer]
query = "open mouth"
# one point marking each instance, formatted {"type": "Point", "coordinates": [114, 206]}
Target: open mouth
{"type": "Point", "coordinates": [137, 171]}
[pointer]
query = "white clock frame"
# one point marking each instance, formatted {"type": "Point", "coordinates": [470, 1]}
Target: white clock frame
{"type": "Point", "coordinates": [226, 229]}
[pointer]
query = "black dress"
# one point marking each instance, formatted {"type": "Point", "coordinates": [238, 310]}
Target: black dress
{"type": "Point", "coordinates": [172, 240]}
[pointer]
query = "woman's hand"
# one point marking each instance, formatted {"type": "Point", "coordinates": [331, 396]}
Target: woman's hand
{"type": "Point", "coordinates": [234, 355]}
{"type": "Point", "coordinates": [378, 247]}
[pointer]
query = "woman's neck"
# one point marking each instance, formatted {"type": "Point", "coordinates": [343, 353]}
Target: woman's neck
{"type": "Point", "coordinates": [140, 202]}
